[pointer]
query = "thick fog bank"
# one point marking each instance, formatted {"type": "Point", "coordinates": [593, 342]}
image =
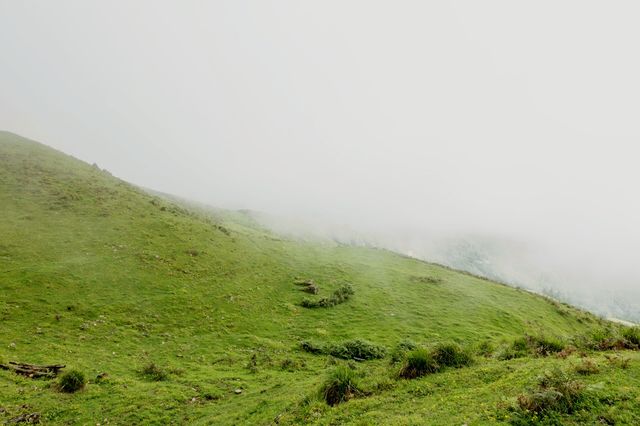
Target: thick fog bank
{"type": "Point", "coordinates": [595, 279]}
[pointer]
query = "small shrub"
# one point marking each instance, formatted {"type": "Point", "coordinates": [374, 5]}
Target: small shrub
{"type": "Point", "coordinates": [357, 349]}
{"type": "Point", "coordinates": [418, 363]}
{"type": "Point", "coordinates": [153, 372]}
{"type": "Point", "coordinates": [341, 385]}
{"type": "Point", "coordinates": [71, 381]}
{"type": "Point", "coordinates": [586, 367]}
{"type": "Point", "coordinates": [451, 355]}
{"type": "Point", "coordinates": [556, 392]}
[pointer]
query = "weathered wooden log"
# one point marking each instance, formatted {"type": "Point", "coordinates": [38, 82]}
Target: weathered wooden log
{"type": "Point", "coordinates": [38, 367]}
{"type": "Point", "coordinates": [33, 371]}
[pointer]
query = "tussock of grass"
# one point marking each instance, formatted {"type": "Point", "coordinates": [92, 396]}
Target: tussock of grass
{"type": "Point", "coordinates": [153, 372]}
{"type": "Point", "coordinates": [544, 346]}
{"type": "Point", "coordinates": [556, 392]}
{"type": "Point", "coordinates": [71, 381]}
{"type": "Point", "coordinates": [340, 386]}
{"type": "Point", "coordinates": [451, 355]}
{"type": "Point", "coordinates": [418, 363]}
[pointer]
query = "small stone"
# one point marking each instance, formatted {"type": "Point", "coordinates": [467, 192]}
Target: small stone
{"type": "Point", "coordinates": [238, 391]}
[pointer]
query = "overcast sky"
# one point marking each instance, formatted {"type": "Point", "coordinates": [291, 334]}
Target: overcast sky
{"type": "Point", "coordinates": [514, 119]}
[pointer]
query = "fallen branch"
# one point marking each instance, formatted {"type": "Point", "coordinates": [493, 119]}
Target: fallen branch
{"type": "Point", "coordinates": [33, 371]}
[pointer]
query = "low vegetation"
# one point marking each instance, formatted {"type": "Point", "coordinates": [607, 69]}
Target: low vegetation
{"type": "Point", "coordinates": [71, 381]}
{"type": "Point", "coordinates": [451, 355]}
{"type": "Point", "coordinates": [340, 295]}
{"type": "Point", "coordinates": [555, 393]}
{"type": "Point", "coordinates": [340, 386]}
{"type": "Point", "coordinates": [153, 372]}
{"type": "Point", "coordinates": [357, 349]}
{"type": "Point", "coordinates": [530, 345]}
{"type": "Point", "coordinates": [418, 363]}
{"type": "Point", "coordinates": [587, 366]}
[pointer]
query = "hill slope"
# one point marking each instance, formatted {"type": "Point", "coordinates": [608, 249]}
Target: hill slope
{"type": "Point", "coordinates": [105, 278]}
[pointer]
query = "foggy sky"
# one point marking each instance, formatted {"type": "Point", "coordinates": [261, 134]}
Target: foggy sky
{"type": "Point", "coordinates": [509, 119]}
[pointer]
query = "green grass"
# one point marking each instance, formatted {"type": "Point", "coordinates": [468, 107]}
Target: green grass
{"type": "Point", "coordinates": [105, 278]}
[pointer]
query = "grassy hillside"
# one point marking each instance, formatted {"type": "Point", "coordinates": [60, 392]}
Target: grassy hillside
{"type": "Point", "coordinates": [105, 278]}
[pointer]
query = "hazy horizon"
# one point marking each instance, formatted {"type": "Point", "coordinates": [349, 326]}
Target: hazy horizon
{"type": "Point", "coordinates": [410, 123]}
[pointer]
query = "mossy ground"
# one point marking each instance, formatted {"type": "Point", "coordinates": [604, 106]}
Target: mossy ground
{"type": "Point", "coordinates": [105, 278]}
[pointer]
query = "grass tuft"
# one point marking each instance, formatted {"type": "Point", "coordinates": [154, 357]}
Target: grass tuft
{"type": "Point", "coordinates": [71, 381]}
{"type": "Point", "coordinates": [418, 363]}
{"type": "Point", "coordinates": [153, 372]}
{"type": "Point", "coordinates": [340, 386]}
{"type": "Point", "coordinates": [451, 355]}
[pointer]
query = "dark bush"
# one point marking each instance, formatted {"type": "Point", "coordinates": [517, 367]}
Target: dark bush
{"type": "Point", "coordinates": [71, 381]}
{"type": "Point", "coordinates": [418, 363]}
{"type": "Point", "coordinates": [451, 355]}
{"type": "Point", "coordinates": [153, 372]}
{"type": "Point", "coordinates": [357, 349]}
{"type": "Point", "coordinates": [341, 385]}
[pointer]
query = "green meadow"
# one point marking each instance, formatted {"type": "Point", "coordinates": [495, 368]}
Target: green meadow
{"type": "Point", "coordinates": [177, 314]}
